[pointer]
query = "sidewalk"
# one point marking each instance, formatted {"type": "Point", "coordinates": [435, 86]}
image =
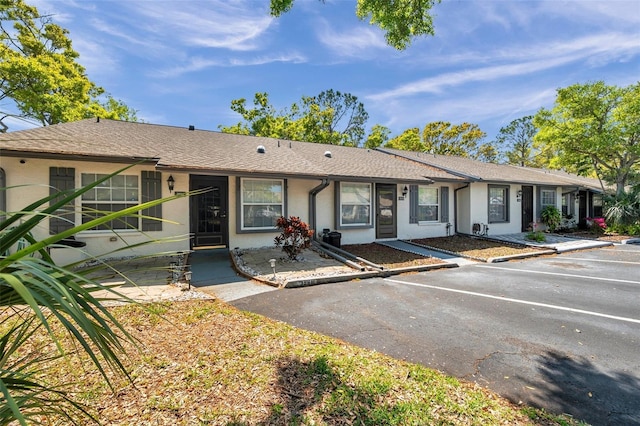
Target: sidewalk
{"type": "Point", "coordinates": [552, 241]}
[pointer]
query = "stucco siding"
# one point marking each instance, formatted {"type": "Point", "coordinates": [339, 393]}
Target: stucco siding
{"type": "Point", "coordinates": [28, 182]}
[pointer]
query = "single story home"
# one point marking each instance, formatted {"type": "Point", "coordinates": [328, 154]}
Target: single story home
{"type": "Point", "coordinates": [249, 182]}
{"type": "Point", "coordinates": [507, 198]}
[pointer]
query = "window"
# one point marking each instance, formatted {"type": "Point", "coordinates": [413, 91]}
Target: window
{"type": "Point", "coordinates": [498, 203]}
{"type": "Point", "coordinates": [355, 204]}
{"type": "Point", "coordinates": [427, 204]}
{"type": "Point", "coordinates": [597, 205]}
{"type": "Point", "coordinates": [547, 197]}
{"type": "Point", "coordinates": [114, 194]}
{"type": "Point", "coordinates": [262, 203]}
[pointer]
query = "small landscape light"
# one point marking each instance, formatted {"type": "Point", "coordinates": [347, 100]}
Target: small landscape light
{"type": "Point", "coordinates": [272, 262]}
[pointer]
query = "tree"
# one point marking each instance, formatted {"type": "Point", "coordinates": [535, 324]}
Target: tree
{"type": "Point", "coordinates": [409, 140]}
{"type": "Point", "coordinates": [488, 153]}
{"type": "Point", "coordinates": [594, 125]}
{"type": "Point", "coordinates": [441, 137]}
{"type": "Point", "coordinates": [379, 136]}
{"type": "Point", "coordinates": [40, 74]}
{"type": "Point", "coordinates": [401, 19]}
{"type": "Point", "coordinates": [332, 117]}
{"type": "Point", "coordinates": [517, 140]}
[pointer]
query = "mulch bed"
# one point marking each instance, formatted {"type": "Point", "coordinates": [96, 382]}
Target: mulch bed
{"type": "Point", "coordinates": [389, 257]}
{"type": "Point", "coordinates": [477, 248]}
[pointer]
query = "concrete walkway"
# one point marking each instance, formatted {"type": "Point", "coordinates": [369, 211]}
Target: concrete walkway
{"type": "Point", "coordinates": [552, 241]}
{"type": "Point", "coordinates": [212, 273]}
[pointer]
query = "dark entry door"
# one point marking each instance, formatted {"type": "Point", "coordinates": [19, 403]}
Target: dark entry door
{"type": "Point", "coordinates": [527, 207]}
{"type": "Point", "coordinates": [386, 223]}
{"type": "Point", "coordinates": [209, 222]}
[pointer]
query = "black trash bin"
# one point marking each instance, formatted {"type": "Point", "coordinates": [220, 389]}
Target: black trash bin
{"type": "Point", "coordinates": [332, 238]}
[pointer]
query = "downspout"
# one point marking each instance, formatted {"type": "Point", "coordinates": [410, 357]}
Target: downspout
{"type": "Point", "coordinates": [312, 204]}
{"type": "Point", "coordinates": [455, 207]}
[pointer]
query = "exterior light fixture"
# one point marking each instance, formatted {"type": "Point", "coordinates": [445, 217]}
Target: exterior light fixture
{"type": "Point", "coordinates": [405, 190]}
{"type": "Point", "coordinates": [171, 183]}
{"type": "Point", "coordinates": [519, 195]}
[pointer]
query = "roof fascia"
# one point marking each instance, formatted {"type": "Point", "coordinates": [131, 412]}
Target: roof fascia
{"type": "Point", "coordinates": [76, 157]}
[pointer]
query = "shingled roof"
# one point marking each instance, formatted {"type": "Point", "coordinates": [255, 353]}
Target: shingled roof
{"type": "Point", "coordinates": [178, 148]}
{"type": "Point", "coordinates": [476, 170]}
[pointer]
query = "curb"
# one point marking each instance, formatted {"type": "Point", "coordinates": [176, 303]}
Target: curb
{"type": "Point", "coordinates": [631, 241]}
{"type": "Point", "coordinates": [307, 282]}
{"type": "Point", "coordinates": [520, 256]}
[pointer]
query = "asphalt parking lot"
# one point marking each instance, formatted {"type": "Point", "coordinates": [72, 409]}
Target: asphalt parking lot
{"type": "Point", "coordinates": [560, 332]}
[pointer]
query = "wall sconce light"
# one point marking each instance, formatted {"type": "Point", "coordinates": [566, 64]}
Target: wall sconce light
{"type": "Point", "coordinates": [519, 195]}
{"type": "Point", "coordinates": [405, 191]}
{"type": "Point", "coordinates": [272, 262]}
{"type": "Point", "coordinates": [171, 183]}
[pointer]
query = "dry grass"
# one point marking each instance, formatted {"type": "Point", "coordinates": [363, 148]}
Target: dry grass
{"type": "Point", "coordinates": [204, 362]}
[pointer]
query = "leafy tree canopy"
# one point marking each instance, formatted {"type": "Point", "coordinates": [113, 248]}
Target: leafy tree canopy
{"type": "Point", "coordinates": [331, 117]}
{"type": "Point", "coordinates": [379, 136]}
{"type": "Point", "coordinates": [594, 127]}
{"type": "Point", "coordinates": [40, 75]}
{"type": "Point", "coordinates": [441, 137]}
{"type": "Point", "coordinates": [516, 139]}
{"type": "Point", "coordinates": [402, 20]}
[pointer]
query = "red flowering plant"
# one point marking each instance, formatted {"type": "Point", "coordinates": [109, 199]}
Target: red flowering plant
{"type": "Point", "coordinates": [295, 237]}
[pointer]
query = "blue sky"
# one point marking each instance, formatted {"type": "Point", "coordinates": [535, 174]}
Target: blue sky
{"type": "Point", "coordinates": [182, 62]}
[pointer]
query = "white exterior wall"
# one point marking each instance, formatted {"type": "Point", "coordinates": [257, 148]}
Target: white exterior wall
{"type": "Point", "coordinates": [29, 182]}
{"type": "Point", "coordinates": [408, 230]}
{"type": "Point", "coordinates": [297, 205]}
{"type": "Point", "coordinates": [478, 196]}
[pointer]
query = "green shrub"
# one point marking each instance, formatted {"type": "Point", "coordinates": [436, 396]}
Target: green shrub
{"type": "Point", "coordinates": [551, 217]}
{"type": "Point", "coordinates": [536, 236]}
{"type": "Point", "coordinates": [623, 209]}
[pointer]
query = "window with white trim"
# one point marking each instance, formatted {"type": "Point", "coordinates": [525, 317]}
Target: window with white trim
{"type": "Point", "coordinates": [498, 203]}
{"type": "Point", "coordinates": [262, 203]}
{"type": "Point", "coordinates": [547, 197]}
{"type": "Point", "coordinates": [355, 204]}
{"type": "Point", "coordinates": [428, 205]}
{"type": "Point", "coordinates": [114, 194]}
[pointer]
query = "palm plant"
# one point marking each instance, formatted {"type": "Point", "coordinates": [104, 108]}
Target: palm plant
{"type": "Point", "coordinates": [34, 293]}
{"type": "Point", "coordinates": [623, 209]}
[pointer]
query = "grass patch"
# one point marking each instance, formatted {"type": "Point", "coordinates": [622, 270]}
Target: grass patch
{"type": "Point", "coordinates": [209, 363]}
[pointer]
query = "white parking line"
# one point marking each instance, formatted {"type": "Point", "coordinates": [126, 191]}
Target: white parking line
{"type": "Point", "coordinates": [524, 302]}
{"type": "Point", "coordinates": [586, 277]}
{"type": "Point", "coordinates": [599, 260]}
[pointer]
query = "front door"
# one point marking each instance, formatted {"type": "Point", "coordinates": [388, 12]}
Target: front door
{"type": "Point", "coordinates": [527, 207]}
{"type": "Point", "coordinates": [386, 211]}
{"type": "Point", "coordinates": [209, 223]}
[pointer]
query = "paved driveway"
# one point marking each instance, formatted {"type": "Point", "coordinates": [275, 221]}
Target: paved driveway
{"type": "Point", "coordinates": [560, 332]}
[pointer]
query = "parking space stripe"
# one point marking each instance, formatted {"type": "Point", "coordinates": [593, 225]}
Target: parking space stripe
{"type": "Point", "coordinates": [598, 260]}
{"type": "Point", "coordinates": [586, 277]}
{"type": "Point", "coordinates": [523, 302]}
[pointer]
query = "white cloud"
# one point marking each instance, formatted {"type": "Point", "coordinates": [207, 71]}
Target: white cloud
{"type": "Point", "coordinates": [360, 42]}
{"type": "Point", "coordinates": [233, 25]}
{"type": "Point", "coordinates": [592, 49]}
